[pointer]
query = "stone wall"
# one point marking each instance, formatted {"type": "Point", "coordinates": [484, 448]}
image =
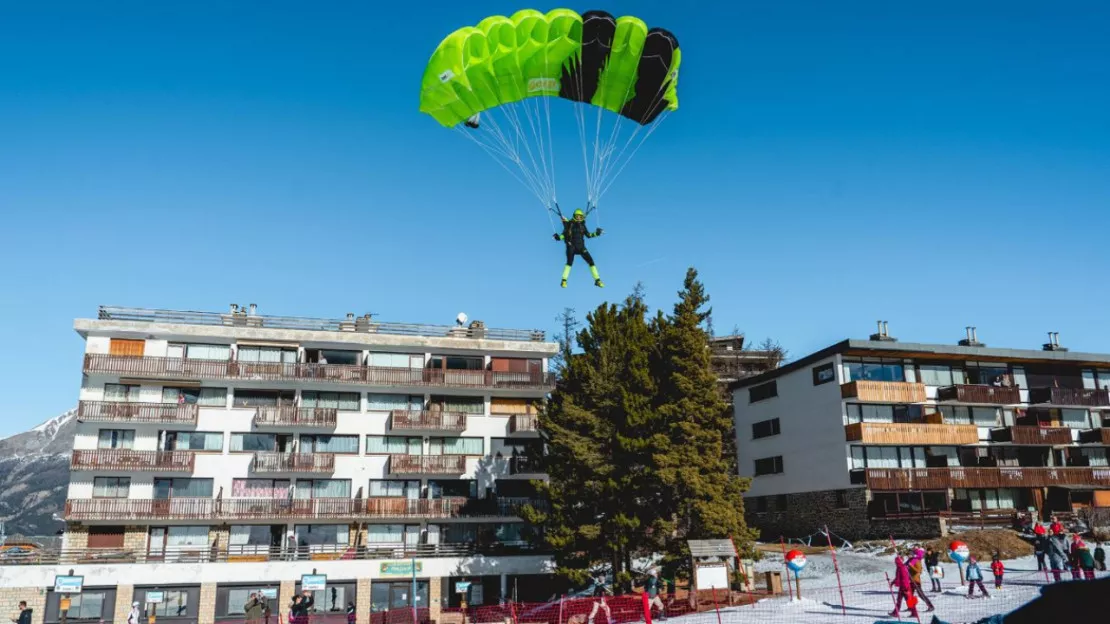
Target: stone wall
{"type": "Point", "coordinates": [35, 597]}
{"type": "Point", "coordinates": [435, 598]}
{"type": "Point", "coordinates": [76, 537]}
{"type": "Point", "coordinates": [135, 538]}
{"type": "Point", "coordinates": [843, 511]}
{"type": "Point", "coordinates": [362, 601]}
{"type": "Point", "coordinates": [206, 604]}
{"type": "Point", "coordinates": [125, 595]}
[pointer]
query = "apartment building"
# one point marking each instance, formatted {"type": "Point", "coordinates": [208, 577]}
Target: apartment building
{"type": "Point", "coordinates": [219, 453]}
{"type": "Point", "coordinates": [878, 437]}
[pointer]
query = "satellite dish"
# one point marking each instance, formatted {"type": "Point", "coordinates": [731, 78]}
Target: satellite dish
{"type": "Point", "coordinates": [461, 318]}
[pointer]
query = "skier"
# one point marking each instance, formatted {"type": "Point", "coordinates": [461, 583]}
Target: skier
{"type": "Point", "coordinates": [932, 560]}
{"type": "Point", "coordinates": [904, 583]}
{"type": "Point", "coordinates": [1040, 544]}
{"type": "Point", "coordinates": [654, 586]}
{"type": "Point", "coordinates": [574, 236]}
{"type": "Point", "coordinates": [1057, 550]}
{"type": "Point", "coordinates": [1086, 561]}
{"type": "Point", "coordinates": [916, 564]}
{"type": "Point", "coordinates": [997, 569]}
{"type": "Point", "coordinates": [1100, 556]}
{"type": "Point", "coordinates": [974, 577]}
{"type": "Point", "coordinates": [1073, 556]}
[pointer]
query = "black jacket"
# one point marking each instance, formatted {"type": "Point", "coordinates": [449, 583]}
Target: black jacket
{"type": "Point", "coordinates": [575, 234]}
{"type": "Point", "coordinates": [25, 616]}
{"type": "Point", "coordinates": [301, 608]}
{"type": "Point", "coordinates": [932, 560]}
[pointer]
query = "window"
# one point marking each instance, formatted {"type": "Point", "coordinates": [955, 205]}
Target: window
{"type": "Point", "coordinates": [121, 393]}
{"type": "Point", "coordinates": [512, 406]}
{"type": "Point", "coordinates": [322, 488]}
{"type": "Point", "coordinates": [386, 596]}
{"type": "Point", "coordinates": [347, 444]}
{"type": "Point", "coordinates": [768, 465]}
{"type": "Point", "coordinates": [200, 351]}
{"type": "Point", "coordinates": [116, 439]}
{"type": "Point", "coordinates": [322, 534]}
{"type": "Point", "coordinates": [466, 405]}
{"type": "Point", "coordinates": [877, 413]}
{"type": "Point", "coordinates": [390, 402]}
{"type": "Point", "coordinates": [194, 441]}
{"type": "Point", "coordinates": [168, 539]}
{"type": "Point", "coordinates": [111, 487]}
{"type": "Point", "coordinates": [396, 360]}
{"type": "Point", "coordinates": [231, 600]}
{"type": "Point", "coordinates": [94, 605]}
{"type": "Point", "coordinates": [457, 362]}
{"type": "Point", "coordinates": [457, 446]}
{"type": "Point", "coordinates": [988, 374]}
{"type": "Point", "coordinates": [874, 369]}
{"type": "Point", "coordinates": [443, 488]}
{"type": "Point", "coordinates": [267, 355]}
{"type": "Point", "coordinates": [262, 398]}
{"type": "Point", "coordinates": [106, 537]}
{"type": "Point", "coordinates": [385, 534]}
{"type": "Point", "coordinates": [247, 538]}
{"type": "Point", "coordinates": [763, 391]}
{"type": "Point", "coordinates": [513, 533]}
{"type": "Point", "coordinates": [330, 356]}
{"type": "Point", "coordinates": [175, 603]}
{"type": "Point", "coordinates": [260, 488]}
{"type": "Point", "coordinates": [182, 487]}
{"type": "Point", "coordinates": [1074, 418]}
{"type": "Point", "coordinates": [765, 428]}
{"type": "Point", "coordinates": [205, 397]}
{"type": "Point", "coordinates": [842, 499]}
{"type": "Point", "coordinates": [346, 401]}
{"type": "Point", "coordinates": [333, 598]}
{"type": "Point", "coordinates": [253, 442]}
{"type": "Point", "coordinates": [126, 348]}
{"type": "Point", "coordinates": [823, 374]}
{"type": "Point", "coordinates": [458, 533]}
{"type": "Point", "coordinates": [394, 488]}
{"type": "Point", "coordinates": [940, 375]}
{"type": "Point", "coordinates": [394, 445]}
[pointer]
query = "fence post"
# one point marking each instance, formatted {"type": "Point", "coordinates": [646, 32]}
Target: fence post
{"type": "Point", "coordinates": [715, 607]}
{"type": "Point", "coordinates": [561, 609]}
{"type": "Point", "coordinates": [892, 597]}
{"type": "Point", "coordinates": [836, 567]}
{"type": "Point", "coordinates": [789, 589]}
{"type": "Point", "coordinates": [646, 602]}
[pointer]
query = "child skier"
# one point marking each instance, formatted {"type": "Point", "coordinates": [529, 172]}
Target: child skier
{"type": "Point", "coordinates": [1073, 557]}
{"type": "Point", "coordinates": [1087, 562]}
{"type": "Point", "coordinates": [974, 577]}
{"type": "Point", "coordinates": [997, 569]}
{"type": "Point", "coordinates": [932, 560]}
{"type": "Point", "coordinates": [904, 584]}
{"type": "Point", "coordinates": [1100, 557]}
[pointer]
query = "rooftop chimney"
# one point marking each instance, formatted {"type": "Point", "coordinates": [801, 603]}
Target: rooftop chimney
{"type": "Point", "coordinates": [883, 335]}
{"type": "Point", "coordinates": [234, 308]}
{"type": "Point", "coordinates": [1053, 343]}
{"type": "Point", "coordinates": [972, 339]}
{"type": "Point", "coordinates": [253, 309]}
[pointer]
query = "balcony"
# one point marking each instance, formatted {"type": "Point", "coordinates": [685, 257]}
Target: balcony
{"type": "Point", "coordinates": [119, 509]}
{"type": "Point", "coordinates": [1095, 436]}
{"type": "Point", "coordinates": [1069, 397]}
{"type": "Point", "coordinates": [291, 416]}
{"type": "Point", "coordinates": [133, 461]}
{"type": "Point", "coordinates": [148, 367]}
{"type": "Point", "coordinates": [884, 391]}
{"type": "Point", "coordinates": [293, 462]}
{"type": "Point", "coordinates": [1043, 436]}
{"type": "Point", "coordinates": [430, 420]}
{"type": "Point", "coordinates": [911, 433]}
{"type": "Point", "coordinates": [942, 478]}
{"type": "Point", "coordinates": [979, 395]}
{"type": "Point", "coordinates": [119, 412]}
{"type": "Point", "coordinates": [427, 464]}
{"type": "Point", "coordinates": [447, 507]}
{"type": "Point", "coordinates": [284, 508]}
{"type": "Point", "coordinates": [523, 423]}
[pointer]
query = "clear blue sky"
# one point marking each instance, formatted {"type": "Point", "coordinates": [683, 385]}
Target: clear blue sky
{"type": "Point", "coordinates": [936, 164]}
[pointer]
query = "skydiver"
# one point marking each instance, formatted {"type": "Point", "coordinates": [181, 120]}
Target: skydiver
{"type": "Point", "coordinates": [574, 236]}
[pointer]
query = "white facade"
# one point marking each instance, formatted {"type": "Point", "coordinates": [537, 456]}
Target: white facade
{"type": "Point", "coordinates": [811, 439]}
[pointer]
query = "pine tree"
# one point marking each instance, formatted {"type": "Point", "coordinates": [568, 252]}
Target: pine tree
{"type": "Point", "coordinates": [705, 494]}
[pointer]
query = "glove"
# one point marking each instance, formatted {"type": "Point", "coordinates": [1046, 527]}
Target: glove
{"type": "Point", "coordinates": [555, 236]}
{"type": "Point", "coordinates": [598, 232]}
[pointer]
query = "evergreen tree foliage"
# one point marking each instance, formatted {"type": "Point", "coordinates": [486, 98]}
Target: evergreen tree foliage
{"type": "Point", "coordinates": [635, 434]}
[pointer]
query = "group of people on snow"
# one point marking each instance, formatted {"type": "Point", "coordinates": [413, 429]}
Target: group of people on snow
{"type": "Point", "coordinates": [1066, 552]}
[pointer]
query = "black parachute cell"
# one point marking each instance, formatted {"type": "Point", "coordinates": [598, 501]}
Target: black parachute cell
{"type": "Point", "coordinates": [579, 82]}
{"type": "Point", "coordinates": [652, 75]}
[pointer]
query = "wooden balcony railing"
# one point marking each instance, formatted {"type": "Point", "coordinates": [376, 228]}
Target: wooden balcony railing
{"type": "Point", "coordinates": [427, 420]}
{"type": "Point", "coordinates": [144, 509]}
{"type": "Point", "coordinates": [524, 465]}
{"type": "Point", "coordinates": [121, 412]}
{"type": "Point", "coordinates": [1069, 397]}
{"type": "Point", "coordinates": [427, 464]}
{"type": "Point", "coordinates": [1095, 436]}
{"type": "Point", "coordinates": [975, 394]}
{"type": "Point", "coordinates": [291, 416]}
{"type": "Point", "coordinates": [178, 368]}
{"type": "Point", "coordinates": [942, 478]}
{"type": "Point", "coordinates": [1048, 436]}
{"type": "Point", "coordinates": [294, 462]}
{"type": "Point", "coordinates": [884, 391]}
{"type": "Point", "coordinates": [523, 423]}
{"type": "Point", "coordinates": [911, 433]}
{"type": "Point", "coordinates": [121, 459]}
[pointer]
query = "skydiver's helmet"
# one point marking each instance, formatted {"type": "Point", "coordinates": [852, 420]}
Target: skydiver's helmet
{"type": "Point", "coordinates": [579, 215]}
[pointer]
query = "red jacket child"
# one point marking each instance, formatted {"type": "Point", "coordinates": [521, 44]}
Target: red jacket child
{"type": "Point", "coordinates": [997, 568]}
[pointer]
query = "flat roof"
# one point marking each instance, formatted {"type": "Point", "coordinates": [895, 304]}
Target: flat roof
{"type": "Point", "coordinates": [888, 348]}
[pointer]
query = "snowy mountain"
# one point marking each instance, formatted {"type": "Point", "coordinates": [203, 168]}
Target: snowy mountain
{"type": "Point", "coordinates": [34, 474]}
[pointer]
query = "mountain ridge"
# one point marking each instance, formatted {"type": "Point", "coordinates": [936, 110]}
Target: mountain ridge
{"type": "Point", "coordinates": [34, 476]}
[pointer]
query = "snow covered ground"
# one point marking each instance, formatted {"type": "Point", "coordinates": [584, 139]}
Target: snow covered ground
{"type": "Point", "coordinates": [867, 597]}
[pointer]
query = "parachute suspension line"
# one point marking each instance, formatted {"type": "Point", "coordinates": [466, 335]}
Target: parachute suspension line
{"type": "Point", "coordinates": [655, 124]}
{"type": "Point", "coordinates": [602, 153]}
{"type": "Point", "coordinates": [507, 151]}
{"type": "Point", "coordinates": [615, 164]}
{"type": "Point", "coordinates": [513, 118]}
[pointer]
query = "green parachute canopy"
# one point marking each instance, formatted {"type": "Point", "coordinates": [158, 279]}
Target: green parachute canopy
{"type": "Point", "coordinates": [509, 65]}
